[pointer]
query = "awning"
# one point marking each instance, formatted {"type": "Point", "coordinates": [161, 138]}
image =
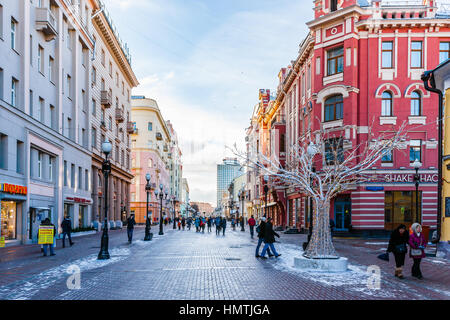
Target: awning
{"type": "Point", "coordinates": [41, 208]}
{"type": "Point", "coordinates": [271, 204]}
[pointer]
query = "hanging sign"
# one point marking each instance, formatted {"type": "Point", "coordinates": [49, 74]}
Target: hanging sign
{"type": "Point", "coordinates": [13, 189]}
{"type": "Point", "coordinates": [2, 242]}
{"type": "Point", "coordinates": [45, 235]}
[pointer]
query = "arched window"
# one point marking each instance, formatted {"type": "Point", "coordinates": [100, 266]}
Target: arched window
{"type": "Point", "coordinates": [386, 104]}
{"type": "Point", "coordinates": [333, 5]}
{"type": "Point", "coordinates": [416, 104]}
{"type": "Point", "coordinates": [150, 163]}
{"type": "Point", "coordinates": [334, 108]}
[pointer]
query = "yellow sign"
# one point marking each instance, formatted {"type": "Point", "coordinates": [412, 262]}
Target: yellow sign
{"type": "Point", "coordinates": [45, 235]}
{"type": "Point", "coordinates": [2, 242]}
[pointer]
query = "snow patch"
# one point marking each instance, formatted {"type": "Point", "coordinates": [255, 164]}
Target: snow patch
{"type": "Point", "coordinates": [377, 243]}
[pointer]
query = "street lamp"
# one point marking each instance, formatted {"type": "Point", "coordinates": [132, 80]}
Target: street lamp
{"type": "Point", "coordinates": [312, 151]}
{"type": "Point", "coordinates": [161, 196]}
{"type": "Point", "coordinates": [416, 165]}
{"type": "Point", "coordinates": [106, 169]}
{"type": "Point", "coordinates": [241, 197]}
{"type": "Point", "coordinates": [173, 211]}
{"type": "Point", "coordinates": [148, 189]}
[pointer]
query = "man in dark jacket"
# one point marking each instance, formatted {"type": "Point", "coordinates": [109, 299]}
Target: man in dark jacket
{"type": "Point", "coordinates": [130, 227]}
{"type": "Point", "coordinates": [261, 229]}
{"type": "Point", "coordinates": [269, 239]}
{"type": "Point", "coordinates": [223, 225]}
{"type": "Point", "coordinates": [66, 226]}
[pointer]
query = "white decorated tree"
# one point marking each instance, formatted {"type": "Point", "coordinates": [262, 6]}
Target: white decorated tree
{"type": "Point", "coordinates": [322, 165]}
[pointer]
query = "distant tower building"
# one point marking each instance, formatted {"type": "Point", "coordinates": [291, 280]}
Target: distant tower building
{"type": "Point", "coordinates": [226, 172]}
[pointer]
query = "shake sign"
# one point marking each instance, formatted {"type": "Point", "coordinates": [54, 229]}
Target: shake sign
{"type": "Point", "coordinates": [405, 178]}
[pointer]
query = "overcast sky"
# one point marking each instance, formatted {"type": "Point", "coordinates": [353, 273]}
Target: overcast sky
{"type": "Point", "coordinates": [204, 62]}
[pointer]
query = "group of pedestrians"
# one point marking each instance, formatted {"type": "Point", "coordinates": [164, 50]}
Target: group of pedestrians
{"type": "Point", "coordinates": [398, 242]}
{"type": "Point", "coordinates": [267, 235]}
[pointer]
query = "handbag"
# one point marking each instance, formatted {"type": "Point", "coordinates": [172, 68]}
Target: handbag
{"type": "Point", "coordinates": [400, 248]}
{"type": "Point", "coordinates": [416, 252]}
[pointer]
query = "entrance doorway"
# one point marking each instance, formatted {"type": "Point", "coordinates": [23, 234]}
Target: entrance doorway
{"type": "Point", "coordinates": [342, 213]}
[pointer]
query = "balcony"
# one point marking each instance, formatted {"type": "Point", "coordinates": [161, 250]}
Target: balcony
{"type": "Point", "coordinates": [106, 99]}
{"type": "Point", "coordinates": [46, 22]}
{"type": "Point", "coordinates": [131, 128]}
{"type": "Point", "coordinates": [159, 136]}
{"type": "Point", "coordinates": [119, 115]}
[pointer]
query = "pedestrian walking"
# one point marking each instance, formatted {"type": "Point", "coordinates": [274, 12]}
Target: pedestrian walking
{"type": "Point", "coordinates": [397, 245]}
{"type": "Point", "coordinates": [223, 225]}
{"type": "Point", "coordinates": [66, 226]}
{"type": "Point", "coordinates": [203, 224]}
{"type": "Point", "coordinates": [269, 239]}
{"type": "Point", "coordinates": [47, 222]}
{"type": "Point", "coordinates": [417, 245]}
{"type": "Point", "coordinates": [183, 222]}
{"type": "Point", "coordinates": [209, 222]}
{"type": "Point", "coordinates": [197, 224]}
{"type": "Point", "coordinates": [218, 223]}
{"type": "Point", "coordinates": [189, 222]}
{"type": "Point", "coordinates": [252, 222]}
{"type": "Point", "coordinates": [130, 227]}
{"type": "Point", "coordinates": [179, 223]}
{"type": "Point", "coordinates": [261, 230]}
{"type": "Point", "coordinates": [233, 223]}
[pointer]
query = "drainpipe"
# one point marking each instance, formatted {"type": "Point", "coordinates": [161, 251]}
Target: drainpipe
{"type": "Point", "coordinates": [430, 84]}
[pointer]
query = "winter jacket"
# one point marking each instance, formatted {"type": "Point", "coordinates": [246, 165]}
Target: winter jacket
{"type": "Point", "coordinates": [251, 222]}
{"type": "Point", "coordinates": [183, 222]}
{"type": "Point", "coordinates": [66, 226]}
{"type": "Point", "coordinates": [224, 223]}
{"type": "Point", "coordinates": [47, 222]}
{"type": "Point", "coordinates": [209, 222]}
{"type": "Point", "coordinates": [218, 222]}
{"type": "Point", "coordinates": [415, 241]}
{"type": "Point", "coordinates": [270, 233]}
{"type": "Point", "coordinates": [262, 229]}
{"type": "Point", "coordinates": [197, 222]}
{"type": "Point", "coordinates": [130, 223]}
{"type": "Point", "coordinates": [398, 240]}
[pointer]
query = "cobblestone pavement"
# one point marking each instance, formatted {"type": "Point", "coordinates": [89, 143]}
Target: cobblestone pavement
{"type": "Point", "coordinates": [186, 265]}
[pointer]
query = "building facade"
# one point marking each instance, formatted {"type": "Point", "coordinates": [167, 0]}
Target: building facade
{"type": "Point", "coordinates": [328, 87]}
{"type": "Point", "coordinates": [176, 168]}
{"type": "Point", "coordinates": [226, 172]}
{"type": "Point", "coordinates": [150, 154]}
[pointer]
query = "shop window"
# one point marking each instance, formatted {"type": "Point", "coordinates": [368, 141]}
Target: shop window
{"type": "Point", "coordinates": [9, 220]}
{"type": "Point", "coordinates": [334, 108]}
{"type": "Point", "coordinates": [400, 208]}
{"type": "Point", "coordinates": [416, 104]}
{"type": "Point", "coordinates": [335, 61]}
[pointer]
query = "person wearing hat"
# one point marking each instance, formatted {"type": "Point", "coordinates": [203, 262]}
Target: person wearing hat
{"type": "Point", "coordinates": [417, 244]}
{"type": "Point", "coordinates": [261, 229]}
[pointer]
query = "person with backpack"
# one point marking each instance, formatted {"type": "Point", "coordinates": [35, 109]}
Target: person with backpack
{"type": "Point", "coordinates": [269, 239]}
{"type": "Point", "coordinates": [66, 226]}
{"type": "Point", "coordinates": [218, 224]}
{"type": "Point", "coordinates": [397, 245]}
{"type": "Point", "coordinates": [417, 245]}
{"type": "Point", "coordinates": [261, 229]}
{"type": "Point", "coordinates": [251, 222]}
{"type": "Point", "coordinates": [223, 225]}
{"type": "Point", "coordinates": [130, 227]}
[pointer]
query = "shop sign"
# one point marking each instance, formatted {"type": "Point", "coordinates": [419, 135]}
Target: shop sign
{"type": "Point", "coordinates": [2, 242]}
{"type": "Point", "coordinates": [405, 178]}
{"type": "Point", "coordinates": [12, 188]}
{"type": "Point", "coordinates": [45, 235]}
{"type": "Point", "coordinates": [78, 200]}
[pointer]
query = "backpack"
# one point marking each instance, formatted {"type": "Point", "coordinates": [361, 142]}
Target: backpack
{"type": "Point", "coordinates": [258, 229]}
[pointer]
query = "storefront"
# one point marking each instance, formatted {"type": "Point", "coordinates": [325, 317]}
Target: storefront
{"type": "Point", "coordinates": [78, 210]}
{"type": "Point", "coordinates": [12, 198]}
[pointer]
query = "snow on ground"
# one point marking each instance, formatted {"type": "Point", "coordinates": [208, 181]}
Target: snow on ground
{"type": "Point", "coordinates": [377, 243]}
{"type": "Point", "coordinates": [26, 289]}
{"type": "Point", "coordinates": [356, 278]}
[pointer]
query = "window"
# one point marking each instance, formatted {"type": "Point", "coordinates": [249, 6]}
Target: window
{"type": "Point", "coordinates": [39, 109]}
{"type": "Point", "coordinates": [94, 76]}
{"type": "Point", "coordinates": [444, 51]}
{"type": "Point", "coordinates": [94, 107]}
{"type": "Point", "coordinates": [50, 168]}
{"type": "Point", "coordinates": [94, 138]}
{"type": "Point", "coordinates": [416, 54]}
{"type": "Point", "coordinates": [150, 163]}
{"type": "Point", "coordinates": [53, 117]}
{"type": "Point", "coordinates": [386, 104]}
{"type": "Point", "coordinates": [103, 57]}
{"type": "Point", "coordinates": [416, 104]}
{"type": "Point", "coordinates": [415, 150]}
{"type": "Point", "coordinates": [110, 123]}
{"type": "Point", "coordinates": [39, 163]}
{"type": "Point", "coordinates": [13, 34]}
{"type": "Point", "coordinates": [387, 55]}
{"type": "Point", "coordinates": [80, 178]}
{"type": "Point", "coordinates": [110, 69]}
{"type": "Point", "coordinates": [400, 208]}
{"type": "Point", "coordinates": [69, 86]}
{"type": "Point", "coordinates": [19, 156]}
{"type": "Point", "coordinates": [72, 175]}
{"type": "Point", "coordinates": [333, 5]}
{"type": "Point", "coordinates": [334, 150]}
{"type": "Point", "coordinates": [31, 49]}
{"type": "Point", "coordinates": [86, 179]}
{"type": "Point", "coordinates": [334, 108]}
{"type": "Point", "coordinates": [14, 85]}
{"type": "Point", "coordinates": [335, 60]}
{"type": "Point", "coordinates": [83, 100]}
{"type": "Point", "coordinates": [1, 83]}
{"type": "Point", "coordinates": [150, 126]}
{"type": "Point", "coordinates": [3, 151]}
{"type": "Point", "coordinates": [50, 68]}
{"type": "Point", "coordinates": [387, 157]}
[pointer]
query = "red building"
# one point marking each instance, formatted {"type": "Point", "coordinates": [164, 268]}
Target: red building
{"type": "Point", "coordinates": [357, 71]}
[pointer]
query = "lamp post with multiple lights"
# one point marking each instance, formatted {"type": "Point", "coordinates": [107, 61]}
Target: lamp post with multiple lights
{"type": "Point", "coordinates": [161, 197]}
{"type": "Point", "coordinates": [416, 165]}
{"type": "Point", "coordinates": [148, 189]}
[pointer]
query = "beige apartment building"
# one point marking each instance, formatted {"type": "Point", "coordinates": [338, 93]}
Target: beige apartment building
{"type": "Point", "coordinates": [112, 80]}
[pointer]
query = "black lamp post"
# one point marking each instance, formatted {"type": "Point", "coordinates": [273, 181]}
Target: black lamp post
{"type": "Point", "coordinates": [416, 165]}
{"type": "Point", "coordinates": [312, 151]}
{"type": "Point", "coordinates": [148, 189]}
{"type": "Point", "coordinates": [241, 197]}
{"type": "Point", "coordinates": [173, 211]}
{"type": "Point", "coordinates": [106, 169]}
{"type": "Point", "coordinates": [161, 196]}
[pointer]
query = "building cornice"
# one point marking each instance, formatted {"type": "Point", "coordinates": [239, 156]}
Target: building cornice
{"type": "Point", "coordinates": [336, 15]}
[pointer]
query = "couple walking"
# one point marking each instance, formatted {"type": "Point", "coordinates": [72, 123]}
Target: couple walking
{"type": "Point", "coordinates": [267, 235]}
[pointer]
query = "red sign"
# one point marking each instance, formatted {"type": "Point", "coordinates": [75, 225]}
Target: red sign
{"type": "Point", "coordinates": [78, 200]}
{"type": "Point", "coordinates": [12, 188]}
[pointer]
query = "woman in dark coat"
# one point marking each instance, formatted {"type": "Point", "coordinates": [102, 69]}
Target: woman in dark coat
{"type": "Point", "coordinates": [269, 239]}
{"type": "Point", "coordinates": [397, 245]}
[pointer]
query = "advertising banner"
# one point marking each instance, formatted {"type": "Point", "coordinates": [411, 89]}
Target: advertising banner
{"type": "Point", "coordinates": [45, 235]}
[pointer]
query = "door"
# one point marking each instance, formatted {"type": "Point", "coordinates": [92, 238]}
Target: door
{"type": "Point", "coordinates": [342, 214]}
